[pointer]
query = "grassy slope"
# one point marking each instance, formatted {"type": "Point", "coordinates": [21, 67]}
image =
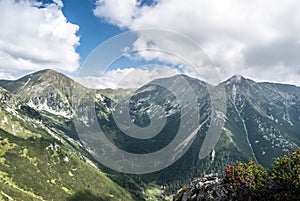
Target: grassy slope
{"type": "Point", "coordinates": [31, 171]}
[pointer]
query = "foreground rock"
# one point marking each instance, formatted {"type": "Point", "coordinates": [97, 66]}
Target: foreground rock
{"type": "Point", "coordinates": [208, 187]}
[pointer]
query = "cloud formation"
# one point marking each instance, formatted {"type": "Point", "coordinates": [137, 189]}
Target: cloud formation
{"type": "Point", "coordinates": [36, 36]}
{"type": "Point", "coordinates": [127, 77]}
{"type": "Point", "coordinates": [258, 39]}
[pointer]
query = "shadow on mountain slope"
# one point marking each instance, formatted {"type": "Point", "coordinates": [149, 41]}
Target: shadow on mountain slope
{"type": "Point", "coordinates": [86, 196]}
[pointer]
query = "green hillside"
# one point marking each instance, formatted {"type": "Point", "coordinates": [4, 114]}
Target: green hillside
{"type": "Point", "coordinates": [38, 164]}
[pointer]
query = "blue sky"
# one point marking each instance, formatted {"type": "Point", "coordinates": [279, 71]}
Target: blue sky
{"type": "Point", "coordinates": [93, 31]}
{"type": "Point", "coordinates": [257, 39]}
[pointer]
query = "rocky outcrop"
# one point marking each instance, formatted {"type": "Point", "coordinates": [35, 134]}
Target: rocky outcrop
{"type": "Point", "coordinates": [208, 187]}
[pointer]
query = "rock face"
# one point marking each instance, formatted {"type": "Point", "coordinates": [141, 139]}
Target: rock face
{"type": "Point", "coordinates": [208, 187]}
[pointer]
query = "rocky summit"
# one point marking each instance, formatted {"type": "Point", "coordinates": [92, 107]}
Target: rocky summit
{"type": "Point", "coordinates": [208, 187]}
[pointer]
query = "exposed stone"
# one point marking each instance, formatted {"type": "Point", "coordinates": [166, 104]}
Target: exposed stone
{"type": "Point", "coordinates": [208, 187]}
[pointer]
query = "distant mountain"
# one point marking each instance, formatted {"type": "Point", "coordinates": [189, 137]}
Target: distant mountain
{"type": "Point", "coordinates": [262, 120]}
{"type": "Point", "coordinates": [45, 90]}
{"type": "Point", "coordinates": [262, 123]}
{"type": "Point", "coordinates": [268, 114]}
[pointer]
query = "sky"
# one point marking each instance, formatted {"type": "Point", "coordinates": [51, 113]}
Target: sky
{"type": "Point", "coordinates": [259, 39]}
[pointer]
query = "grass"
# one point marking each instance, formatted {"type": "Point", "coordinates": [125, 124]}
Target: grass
{"type": "Point", "coordinates": [32, 172]}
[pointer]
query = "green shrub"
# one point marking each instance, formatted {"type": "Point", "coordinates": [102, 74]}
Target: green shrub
{"type": "Point", "coordinates": [245, 180]}
{"type": "Point", "coordinates": [284, 175]}
{"type": "Point", "coordinates": [250, 181]}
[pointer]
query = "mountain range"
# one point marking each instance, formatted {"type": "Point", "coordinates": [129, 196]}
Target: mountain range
{"type": "Point", "coordinates": [43, 157]}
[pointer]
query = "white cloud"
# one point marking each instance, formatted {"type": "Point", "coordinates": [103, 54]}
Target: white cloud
{"type": "Point", "coordinates": [6, 76]}
{"type": "Point", "coordinates": [120, 13]}
{"type": "Point", "coordinates": [35, 36]}
{"type": "Point", "coordinates": [235, 34]}
{"type": "Point", "coordinates": [127, 77]}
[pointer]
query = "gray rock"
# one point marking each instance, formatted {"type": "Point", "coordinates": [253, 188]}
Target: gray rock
{"type": "Point", "coordinates": [208, 187]}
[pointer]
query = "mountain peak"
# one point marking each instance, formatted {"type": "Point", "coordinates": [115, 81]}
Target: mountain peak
{"type": "Point", "coordinates": [46, 73]}
{"type": "Point", "coordinates": [39, 79]}
{"type": "Point", "coordinates": [178, 76]}
{"type": "Point", "coordinates": [236, 78]}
